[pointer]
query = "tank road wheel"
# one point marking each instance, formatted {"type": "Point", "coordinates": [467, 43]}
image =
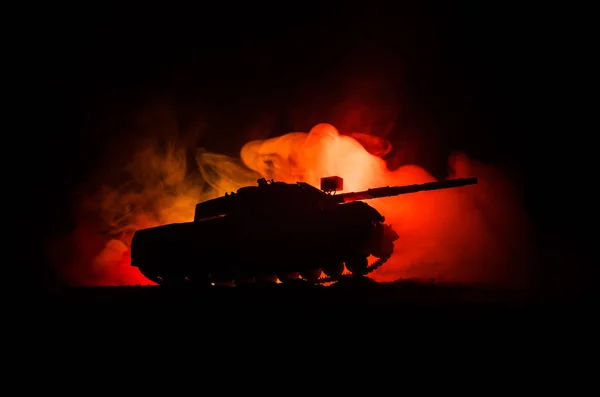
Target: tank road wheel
{"type": "Point", "coordinates": [268, 279]}
{"type": "Point", "coordinates": [311, 275]}
{"type": "Point", "coordinates": [287, 277]}
{"type": "Point", "coordinates": [357, 265]}
{"type": "Point", "coordinates": [334, 270]}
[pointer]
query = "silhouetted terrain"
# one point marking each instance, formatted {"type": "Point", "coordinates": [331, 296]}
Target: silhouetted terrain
{"type": "Point", "coordinates": [286, 320]}
{"type": "Point", "coordinates": [366, 298]}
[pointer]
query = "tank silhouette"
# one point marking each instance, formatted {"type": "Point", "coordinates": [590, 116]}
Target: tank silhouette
{"type": "Point", "coordinates": [275, 230]}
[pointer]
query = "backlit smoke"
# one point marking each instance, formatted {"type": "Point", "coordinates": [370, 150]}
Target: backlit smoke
{"type": "Point", "coordinates": [472, 234]}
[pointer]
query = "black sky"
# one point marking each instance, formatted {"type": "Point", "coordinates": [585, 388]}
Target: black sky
{"type": "Point", "coordinates": [484, 78]}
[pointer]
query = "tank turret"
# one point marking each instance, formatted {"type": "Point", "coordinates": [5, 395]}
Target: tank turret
{"type": "Point", "coordinates": [275, 230]}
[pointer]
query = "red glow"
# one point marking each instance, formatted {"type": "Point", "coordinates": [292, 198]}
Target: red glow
{"type": "Point", "coordinates": [470, 234]}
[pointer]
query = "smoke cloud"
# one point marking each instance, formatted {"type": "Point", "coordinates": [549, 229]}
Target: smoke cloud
{"type": "Point", "coordinates": [474, 234]}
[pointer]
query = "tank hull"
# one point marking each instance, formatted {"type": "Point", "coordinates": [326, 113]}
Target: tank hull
{"type": "Point", "coordinates": [233, 248]}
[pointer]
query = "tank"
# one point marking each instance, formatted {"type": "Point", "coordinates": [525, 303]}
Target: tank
{"type": "Point", "coordinates": [275, 231]}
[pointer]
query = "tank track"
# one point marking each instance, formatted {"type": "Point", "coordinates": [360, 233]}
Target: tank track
{"type": "Point", "coordinates": [326, 279]}
{"type": "Point", "coordinates": [371, 268]}
{"type": "Point", "coordinates": [322, 280]}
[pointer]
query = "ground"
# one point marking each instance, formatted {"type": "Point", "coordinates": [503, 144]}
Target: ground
{"type": "Point", "coordinates": [301, 319]}
{"type": "Point", "coordinates": [364, 297]}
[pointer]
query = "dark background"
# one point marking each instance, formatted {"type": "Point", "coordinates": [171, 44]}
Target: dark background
{"type": "Point", "coordinates": [490, 79]}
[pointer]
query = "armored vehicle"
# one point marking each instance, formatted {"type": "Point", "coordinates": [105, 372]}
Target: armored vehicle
{"type": "Point", "coordinates": [275, 230]}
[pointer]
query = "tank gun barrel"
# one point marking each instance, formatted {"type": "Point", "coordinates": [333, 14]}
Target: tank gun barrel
{"type": "Point", "coordinates": [389, 191]}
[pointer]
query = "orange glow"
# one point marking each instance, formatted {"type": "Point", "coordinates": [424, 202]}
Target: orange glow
{"type": "Point", "coordinates": [470, 234]}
